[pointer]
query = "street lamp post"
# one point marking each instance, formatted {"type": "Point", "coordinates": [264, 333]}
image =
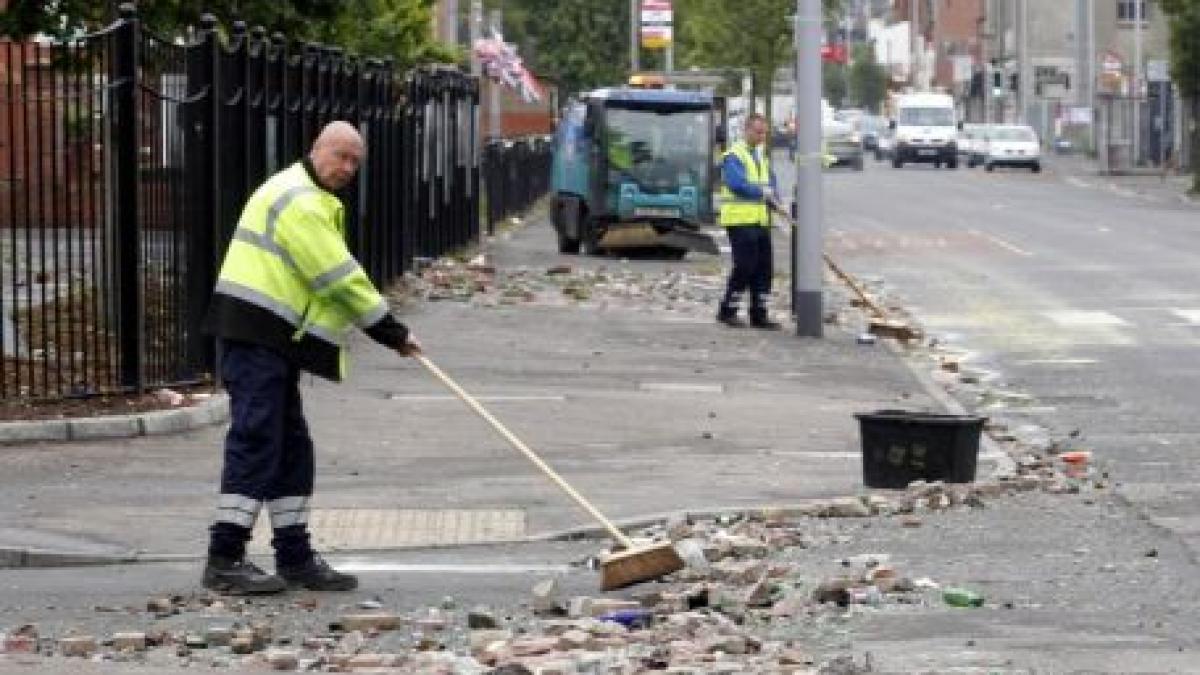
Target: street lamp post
{"type": "Point", "coordinates": [808, 248]}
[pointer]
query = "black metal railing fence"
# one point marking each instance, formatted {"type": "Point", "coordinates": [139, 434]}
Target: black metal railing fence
{"type": "Point", "coordinates": [125, 158]}
{"type": "Point", "coordinates": [516, 174]}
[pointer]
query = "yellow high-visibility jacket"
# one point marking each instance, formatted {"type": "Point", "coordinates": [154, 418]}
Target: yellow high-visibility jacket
{"type": "Point", "coordinates": [289, 282]}
{"type": "Point", "coordinates": [736, 211]}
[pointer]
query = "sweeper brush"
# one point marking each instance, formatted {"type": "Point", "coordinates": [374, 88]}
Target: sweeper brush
{"type": "Point", "coordinates": [632, 564]}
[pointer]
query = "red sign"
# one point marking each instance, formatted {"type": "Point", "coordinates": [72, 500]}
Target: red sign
{"type": "Point", "coordinates": [835, 53]}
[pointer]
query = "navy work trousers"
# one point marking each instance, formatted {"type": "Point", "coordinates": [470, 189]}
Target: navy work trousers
{"type": "Point", "coordinates": [268, 455]}
{"type": "Point", "coordinates": [752, 270]}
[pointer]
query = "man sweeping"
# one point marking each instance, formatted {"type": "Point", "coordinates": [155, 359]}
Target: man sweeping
{"type": "Point", "coordinates": [287, 294]}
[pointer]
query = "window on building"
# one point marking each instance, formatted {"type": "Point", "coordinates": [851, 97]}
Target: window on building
{"type": "Point", "coordinates": [1128, 10]}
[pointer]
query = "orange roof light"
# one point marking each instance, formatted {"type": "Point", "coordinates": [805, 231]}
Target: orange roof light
{"type": "Point", "coordinates": [646, 81]}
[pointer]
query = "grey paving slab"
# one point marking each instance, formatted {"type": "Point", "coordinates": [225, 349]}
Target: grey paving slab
{"type": "Point", "coordinates": [645, 404]}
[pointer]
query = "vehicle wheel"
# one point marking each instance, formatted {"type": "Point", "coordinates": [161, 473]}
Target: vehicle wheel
{"type": "Point", "coordinates": [567, 244]}
{"type": "Point", "coordinates": [937, 165]}
{"type": "Point", "coordinates": [589, 239]}
{"type": "Point", "coordinates": [1037, 168]}
{"type": "Point", "coordinates": [989, 166]}
{"type": "Point", "coordinates": [971, 164]}
{"type": "Point", "coordinates": [952, 164]}
{"type": "Point", "coordinates": [878, 156]}
{"type": "Point", "coordinates": [896, 163]}
{"type": "Point", "coordinates": [673, 253]}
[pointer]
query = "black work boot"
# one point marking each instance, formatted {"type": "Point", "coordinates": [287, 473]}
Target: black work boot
{"type": "Point", "coordinates": [760, 320]}
{"type": "Point", "coordinates": [238, 577]}
{"type": "Point", "coordinates": [317, 575]}
{"type": "Point", "coordinates": [730, 318]}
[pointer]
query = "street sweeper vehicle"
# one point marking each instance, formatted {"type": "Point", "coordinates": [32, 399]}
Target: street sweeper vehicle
{"type": "Point", "coordinates": [634, 169]}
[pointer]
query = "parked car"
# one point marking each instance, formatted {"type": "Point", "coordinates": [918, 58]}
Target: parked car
{"type": "Point", "coordinates": [871, 126]}
{"type": "Point", "coordinates": [969, 138]}
{"type": "Point", "coordinates": [843, 143]}
{"type": "Point", "coordinates": [1013, 145]}
{"type": "Point", "coordinates": [884, 143]}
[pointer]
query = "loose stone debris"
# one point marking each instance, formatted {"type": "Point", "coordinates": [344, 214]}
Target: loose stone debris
{"type": "Point", "coordinates": [714, 617]}
{"type": "Point", "coordinates": [747, 571]}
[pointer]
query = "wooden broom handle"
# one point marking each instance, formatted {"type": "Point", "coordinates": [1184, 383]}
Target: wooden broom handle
{"type": "Point", "coordinates": [516, 443]}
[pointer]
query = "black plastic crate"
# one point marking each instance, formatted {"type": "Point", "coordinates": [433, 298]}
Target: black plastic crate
{"type": "Point", "coordinates": [899, 447]}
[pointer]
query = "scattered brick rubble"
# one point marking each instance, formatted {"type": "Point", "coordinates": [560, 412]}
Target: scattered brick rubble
{"type": "Point", "coordinates": [715, 616]}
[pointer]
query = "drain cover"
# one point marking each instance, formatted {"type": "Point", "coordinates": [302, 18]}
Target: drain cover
{"type": "Point", "coordinates": [373, 529]}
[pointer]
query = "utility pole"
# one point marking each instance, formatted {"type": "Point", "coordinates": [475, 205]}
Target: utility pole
{"type": "Point", "coordinates": [1136, 80]}
{"type": "Point", "coordinates": [912, 38]}
{"type": "Point", "coordinates": [476, 31]}
{"type": "Point", "coordinates": [495, 119]}
{"type": "Point", "coordinates": [449, 29]}
{"type": "Point", "coordinates": [1022, 26]}
{"type": "Point", "coordinates": [985, 37]}
{"type": "Point", "coordinates": [808, 244]}
{"type": "Point", "coordinates": [1091, 69]}
{"type": "Point", "coordinates": [635, 19]}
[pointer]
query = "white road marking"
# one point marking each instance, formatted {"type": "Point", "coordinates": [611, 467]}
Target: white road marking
{"type": "Point", "coordinates": [686, 319]}
{"type": "Point", "coordinates": [1001, 243]}
{"type": "Point", "coordinates": [1077, 182]}
{"type": "Point", "coordinates": [371, 566]}
{"type": "Point", "coordinates": [682, 387]}
{"type": "Point", "coordinates": [425, 398]}
{"type": "Point", "coordinates": [1192, 316]}
{"type": "Point", "coordinates": [1059, 362]}
{"type": "Point", "coordinates": [1081, 318]}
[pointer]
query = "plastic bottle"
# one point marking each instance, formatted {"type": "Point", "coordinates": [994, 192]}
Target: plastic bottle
{"type": "Point", "coordinates": [630, 618]}
{"type": "Point", "coordinates": [962, 597]}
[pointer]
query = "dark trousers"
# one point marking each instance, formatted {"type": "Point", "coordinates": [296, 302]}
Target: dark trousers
{"type": "Point", "coordinates": [752, 271]}
{"type": "Point", "coordinates": [268, 455]}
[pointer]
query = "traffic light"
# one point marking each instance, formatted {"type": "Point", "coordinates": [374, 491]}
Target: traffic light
{"type": "Point", "coordinates": [1012, 82]}
{"type": "Point", "coordinates": [997, 80]}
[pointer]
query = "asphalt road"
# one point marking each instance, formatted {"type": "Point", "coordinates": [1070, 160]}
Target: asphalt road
{"type": "Point", "coordinates": [1079, 291]}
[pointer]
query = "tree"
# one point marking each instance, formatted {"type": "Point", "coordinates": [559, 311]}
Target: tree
{"type": "Point", "coordinates": [1184, 17]}
{"type": "Point", "coordinates": [64, 18]}
{"type": "Point", "coordinates": [580, 44]}
{"type": "Point", "coordinates": [752, 34]}
{"type": "Point", "coordinates": [833, 84]}
{"type": "Point", "coordinates": [868, 79]}
{"type": "Point", "coordinates": [380, 28]}
{"type": "Point", "coordinates": [396, 28]}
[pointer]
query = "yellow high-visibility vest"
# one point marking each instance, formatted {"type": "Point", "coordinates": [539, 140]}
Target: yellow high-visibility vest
{"type": "Point", "coordinates": [288, 258]}
{"type": "Point", "coordinates": [736, 211]}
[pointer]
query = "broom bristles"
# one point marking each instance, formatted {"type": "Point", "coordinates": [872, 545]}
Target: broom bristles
{"type": "Point", "coordinates": [636, 565]}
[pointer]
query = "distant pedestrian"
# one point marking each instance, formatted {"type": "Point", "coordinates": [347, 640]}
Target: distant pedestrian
{"type": "Point", "coordinates": [287, 294]}
{"type": "Point", "coordinates": [748, 192]}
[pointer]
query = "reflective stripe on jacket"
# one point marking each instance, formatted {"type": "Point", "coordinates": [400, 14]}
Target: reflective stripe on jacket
{"type": "Point", "coordinates": [736, 210]}
{"type": "Point", "coordinates": [289, 273]}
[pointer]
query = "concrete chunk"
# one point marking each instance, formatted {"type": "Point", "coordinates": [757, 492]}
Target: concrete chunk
{"type": "Point", "coordinates": [129, 641]}
{"type": "Point", "coordinates": [78, 645]}
{"type": "Point", "coordinates": [366, 622]}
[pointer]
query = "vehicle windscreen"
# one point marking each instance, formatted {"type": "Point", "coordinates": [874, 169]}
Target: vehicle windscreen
{"type": "Point", "coordinates": [926, 117]}
{"type": "Point", "coordinates": [1013, 135]}
{"type": "Point", "coordinates": [660, 150]}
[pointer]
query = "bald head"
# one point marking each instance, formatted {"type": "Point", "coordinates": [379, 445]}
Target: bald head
{"type": "Point", "coordinates": [336, 154]}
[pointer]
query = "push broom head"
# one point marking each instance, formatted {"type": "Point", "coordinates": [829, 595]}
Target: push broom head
{"type": "Point", "coordinates": [638, 564]}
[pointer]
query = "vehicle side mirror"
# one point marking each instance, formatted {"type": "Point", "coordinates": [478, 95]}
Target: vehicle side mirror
{"type": "Point", "coordinates": [891, 124]}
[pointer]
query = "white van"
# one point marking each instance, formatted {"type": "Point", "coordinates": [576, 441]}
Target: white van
{"type": "Point", "coordinates": [924, 129]}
